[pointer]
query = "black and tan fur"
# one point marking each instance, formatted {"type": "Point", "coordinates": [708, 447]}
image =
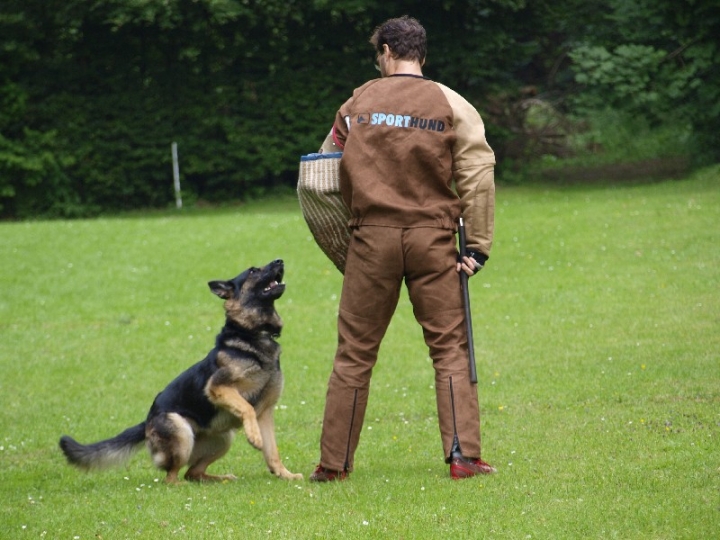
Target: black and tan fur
{"type": "Point", "coordinates": [193, 421]}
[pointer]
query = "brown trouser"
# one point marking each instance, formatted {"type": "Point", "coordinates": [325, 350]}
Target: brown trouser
{"type": "Point", "coordinates": [378, 260]}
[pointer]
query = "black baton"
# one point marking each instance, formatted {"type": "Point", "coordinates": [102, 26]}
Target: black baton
{"type": "Point", "coordinates": [466, 302]}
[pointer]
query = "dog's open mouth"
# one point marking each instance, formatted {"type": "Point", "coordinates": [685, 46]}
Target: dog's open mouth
{"type": "Point", "coordinates": [275, 286]}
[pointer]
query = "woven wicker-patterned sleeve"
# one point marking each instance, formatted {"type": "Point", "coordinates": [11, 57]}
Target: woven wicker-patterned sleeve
{"type": "Point", "coordinates": [322, 206]}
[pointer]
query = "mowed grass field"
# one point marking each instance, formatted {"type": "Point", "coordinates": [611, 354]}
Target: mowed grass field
{"type": "Point", "coordinates": [597, 329]}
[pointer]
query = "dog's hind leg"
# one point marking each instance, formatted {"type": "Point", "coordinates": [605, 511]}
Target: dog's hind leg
{"type": "Point", "coordinates": [207, 450]}
{"type": "Point", "coordinates": [170, 439]}
{"type": "Point", "coordinates": [266, 422]}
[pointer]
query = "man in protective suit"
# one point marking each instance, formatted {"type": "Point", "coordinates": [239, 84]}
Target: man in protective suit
{"type": "Point", "coordinates": [405, 140]}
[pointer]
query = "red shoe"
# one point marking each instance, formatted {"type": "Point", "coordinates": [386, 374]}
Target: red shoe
{"type": "Point", "coordinates": [322, 474]}
{"type": "Point", "coordinates": [465, 468]}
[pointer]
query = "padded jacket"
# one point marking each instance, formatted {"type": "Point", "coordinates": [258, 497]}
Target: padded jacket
{"type": "Point", "coordinates": [415, 155]}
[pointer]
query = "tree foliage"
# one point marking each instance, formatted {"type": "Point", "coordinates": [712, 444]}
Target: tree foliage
{"type": "Point", "coordinates": [660, 62]}
{"type": "Point", "coordinates": [93, 93]}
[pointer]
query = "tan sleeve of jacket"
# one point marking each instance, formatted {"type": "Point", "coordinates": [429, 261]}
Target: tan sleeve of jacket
{"type": "Point", "coordinates": [474, 172]}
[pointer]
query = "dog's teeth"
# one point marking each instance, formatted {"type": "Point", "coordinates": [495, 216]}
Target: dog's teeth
{"type": "Point", "coordinates": [271, 286]}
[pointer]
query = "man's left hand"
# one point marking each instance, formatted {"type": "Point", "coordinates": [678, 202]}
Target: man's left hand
{"type": "Point", "coordinates": [472, 263]}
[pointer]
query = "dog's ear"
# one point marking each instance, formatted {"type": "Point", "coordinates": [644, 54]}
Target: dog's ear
{"type": "Point", "coordinates": [224, 289]}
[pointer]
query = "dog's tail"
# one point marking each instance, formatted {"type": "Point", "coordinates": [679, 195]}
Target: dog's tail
{"type": "Point", "coordinates": [103, 454]}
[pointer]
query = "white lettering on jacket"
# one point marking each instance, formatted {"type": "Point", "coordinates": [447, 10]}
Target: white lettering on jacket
{"type": "Point", "coordinates": [401, 121]}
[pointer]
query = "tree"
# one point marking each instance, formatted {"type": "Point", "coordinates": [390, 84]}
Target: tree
{"type": "Point", "coordinates": [660, 62]}
{"type": "Point", "coordinates": [93, 93]}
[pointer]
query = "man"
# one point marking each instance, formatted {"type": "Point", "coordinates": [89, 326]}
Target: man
{"type": "Point", "coordinates": [405, 139]}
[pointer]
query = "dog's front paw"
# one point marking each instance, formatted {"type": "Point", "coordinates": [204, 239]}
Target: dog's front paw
{"type": "Point", "coordinates": [253, 435]}
{"type": "Point", "coordinates": [287, 475]}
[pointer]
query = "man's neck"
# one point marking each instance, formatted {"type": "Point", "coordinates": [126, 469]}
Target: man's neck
{"type": "Point", "coordinates": [403, 67]}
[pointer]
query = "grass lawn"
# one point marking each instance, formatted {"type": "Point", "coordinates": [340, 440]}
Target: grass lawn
{"type": "Point", "coordinates": [597, 329]}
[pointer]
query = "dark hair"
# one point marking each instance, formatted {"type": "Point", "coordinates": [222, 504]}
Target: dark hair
{"type": "Point", "coordinates": [405, 36]}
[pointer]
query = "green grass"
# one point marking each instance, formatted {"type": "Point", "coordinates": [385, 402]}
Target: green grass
{"type": "Point", "coordinates": [597, 336]}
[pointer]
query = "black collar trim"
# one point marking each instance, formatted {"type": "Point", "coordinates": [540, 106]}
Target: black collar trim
{"type": "Point", "coordinates": [410, 75]}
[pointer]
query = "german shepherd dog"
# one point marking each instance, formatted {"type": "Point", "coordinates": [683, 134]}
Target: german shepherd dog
{"type": "Point", "coordinates": [193, 421]}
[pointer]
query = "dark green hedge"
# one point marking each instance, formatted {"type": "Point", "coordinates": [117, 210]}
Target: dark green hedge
{"type": "Point", "coordinates": [93, 93]}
